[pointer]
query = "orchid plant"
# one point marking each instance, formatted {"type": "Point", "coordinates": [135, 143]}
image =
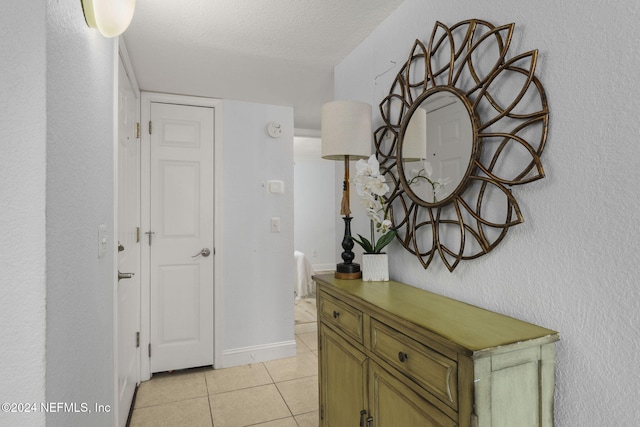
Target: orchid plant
{"type": "Point", "coordinates": [371, 187]}
{"type": "Point", "coordinates": [438, 187]}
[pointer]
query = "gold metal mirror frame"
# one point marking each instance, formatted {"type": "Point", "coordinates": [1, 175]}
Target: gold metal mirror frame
{"type": "Point", "coordinates": [510, 117]}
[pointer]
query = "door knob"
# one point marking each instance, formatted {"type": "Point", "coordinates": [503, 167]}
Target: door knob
{"type": "Point", "coordinates": [205, 253]}
{"type": "Point", "coordinates": [124, 275]}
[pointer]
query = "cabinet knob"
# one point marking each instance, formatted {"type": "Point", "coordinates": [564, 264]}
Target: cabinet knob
{"type": "Point", "coordinates": [403, 357]}
{"type": "Point", "coordinates": [363, 413]}
{"type": "Point", "coordinates": [336, 314]}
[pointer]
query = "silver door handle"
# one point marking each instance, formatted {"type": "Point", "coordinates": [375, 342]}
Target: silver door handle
{"type": "Point", "coordinates": [124, 275]}
{"type": "Point", "coordinates": [205, 253]}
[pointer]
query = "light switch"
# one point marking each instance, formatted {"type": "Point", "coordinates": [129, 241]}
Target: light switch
{"type": "Point", "coordinates": [275, 225]}
{"type": "Point", "coordinates": [103, 239]}
{"type": "Point", "coordinates": [275, 186]}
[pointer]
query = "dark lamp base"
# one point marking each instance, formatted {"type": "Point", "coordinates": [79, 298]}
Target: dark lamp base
{"type": "Point", "coordinates": [348, 271]}
{"type": "Point", "coordinates": [348, 276]}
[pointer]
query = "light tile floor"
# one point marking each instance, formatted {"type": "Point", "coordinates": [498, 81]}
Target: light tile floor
{"type": "Point", "coordinates": [278, 393]}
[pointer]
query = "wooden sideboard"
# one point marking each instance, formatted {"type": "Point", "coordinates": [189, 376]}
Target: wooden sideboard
{"type": "Point", "coordinates": [392, 355]}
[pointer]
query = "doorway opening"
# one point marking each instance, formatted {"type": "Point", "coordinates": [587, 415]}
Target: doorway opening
{"type": "Point", "coordinates": [314, 212]}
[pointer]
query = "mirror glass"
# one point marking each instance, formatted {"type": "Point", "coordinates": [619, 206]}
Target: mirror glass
{"type": "Point", "coordinates": [437, 147]}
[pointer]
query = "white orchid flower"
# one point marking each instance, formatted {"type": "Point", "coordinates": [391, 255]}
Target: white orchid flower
{"type": "Point", "coordinates": [374, 166]}
{"type": "Point", "coordinates": [372, 204]}
{"type": "Point", "coordinates": [368, 184]}
{"type": "Point", "coordinates": [384, 226]}
{"type": "Point", "coordinates": [370, 167]}
{"type": "Point", "coordinates": [379, 187]}
{"type": "Point", "coordinates": [375, 215]}
{"type": "Point", "coordinates": [369, 202]}
{"type": "Point", "coordinates": [371, 187]}
{"type": "Point", "coordinates": [363, 168]}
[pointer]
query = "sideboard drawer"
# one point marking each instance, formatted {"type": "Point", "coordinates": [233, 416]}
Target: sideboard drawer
{"type": "Point", "coordinates": [341, 315]}
{"type": "Point", "coordinates": [433, 371]}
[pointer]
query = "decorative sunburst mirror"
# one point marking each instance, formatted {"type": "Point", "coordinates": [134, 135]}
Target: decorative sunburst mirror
{"type": "Point", "coordinates": [463, 124]}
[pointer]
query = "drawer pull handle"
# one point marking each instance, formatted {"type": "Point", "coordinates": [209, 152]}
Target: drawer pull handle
{"type": "Point", "coordinates": [403, 357]}
{"type": "Point", "coordinates": [449, 383]}
{"type": "Point", "coordinates": [336, 314]}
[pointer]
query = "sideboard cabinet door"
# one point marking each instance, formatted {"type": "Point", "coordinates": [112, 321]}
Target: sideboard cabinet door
{"type": "Point", "coordinates": [343, 380]}
{"type": "Point", "coordinates": [392, 403]}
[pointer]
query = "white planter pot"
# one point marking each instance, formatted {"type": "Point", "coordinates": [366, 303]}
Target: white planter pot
{"type": "Point", "coordinates": [375, 267]}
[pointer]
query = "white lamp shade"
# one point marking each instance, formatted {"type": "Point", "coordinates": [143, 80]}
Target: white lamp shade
{"type": "Point", "coordinates": [110, 17]}
{"type": "Point", "coordinates": [414, 142]}
{"type": "Point", "coordinates": [346, 130]}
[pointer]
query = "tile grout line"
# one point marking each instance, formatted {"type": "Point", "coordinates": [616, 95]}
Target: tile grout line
{"type": "Point", "coordinates": [209, 401]}
{"type": "Point", "coordinates": [285, 402]}
{"type": "Point", "coordinates": [171, 401]}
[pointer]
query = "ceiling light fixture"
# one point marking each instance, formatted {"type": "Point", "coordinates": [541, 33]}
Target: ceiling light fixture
{"type": "Point", "coordinates": [110, 17]}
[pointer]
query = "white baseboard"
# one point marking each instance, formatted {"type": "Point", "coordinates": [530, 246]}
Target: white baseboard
{"type": "Point", "coordinates": [257, 354]}
{"type": "Point", "coordinates": [323, 267]}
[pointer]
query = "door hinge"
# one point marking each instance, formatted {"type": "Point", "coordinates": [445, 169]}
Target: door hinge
{"type": "Point", "coordinates": [150, 127]}
{"type": "Point", "coordinates": [137, 130]}
{"type": "Point", "coordinates": [149, 350]}
{"type": "Point", "coordinates": [137, 234]}
{"type": "Point", "coordinates": [137, 339]}
{"type": "Point", "coordinates": [150, 233]}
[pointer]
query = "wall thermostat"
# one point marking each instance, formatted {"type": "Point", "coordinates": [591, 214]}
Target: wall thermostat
{"type": "Point", "coordinates": [274, 129]}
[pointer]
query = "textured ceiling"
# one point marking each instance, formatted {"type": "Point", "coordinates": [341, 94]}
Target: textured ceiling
{"type": "Point", "coordinates": [278, 52]}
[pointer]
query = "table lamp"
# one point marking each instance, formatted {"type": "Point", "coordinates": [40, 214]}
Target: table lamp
{"type": "Point", "coordinates": [346, 135]}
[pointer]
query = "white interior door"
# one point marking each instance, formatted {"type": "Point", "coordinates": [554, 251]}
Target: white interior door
{"type": "Point", "coordinates": [181, 236]}
{"type": "Point", "coordinates": [449, 134]}
{"type": "Point", "coordinates": [128, 260]}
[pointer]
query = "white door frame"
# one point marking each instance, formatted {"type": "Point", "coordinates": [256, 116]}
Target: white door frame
{"type": "Point", "coordinates": [120, 54]}
{"type": "Point", "coordinates": [145, 168]}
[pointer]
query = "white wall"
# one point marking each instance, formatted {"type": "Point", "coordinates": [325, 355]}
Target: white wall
{"type": "Point", "coordinates": [22, 207]}
{"type": "Point", "coordinates": [258, 265]}
{"type": "Point", "coordinates": [81, 77]}
{"type": "Point", "coordinates": [56, 171]}
{"type": "Point", "coordinates": [573, 265]}
{"type": "Point", "coordinates": [314, 211]}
